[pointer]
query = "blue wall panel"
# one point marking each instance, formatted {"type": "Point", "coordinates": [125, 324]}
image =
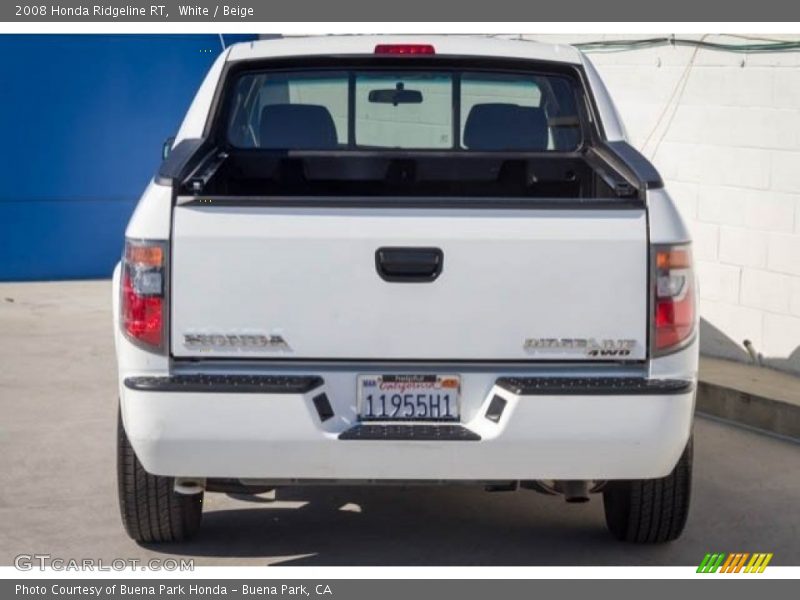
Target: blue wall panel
{"type": "Point", "coordinates": [82, 120]}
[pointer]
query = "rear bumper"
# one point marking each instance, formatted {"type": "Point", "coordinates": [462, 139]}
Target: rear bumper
{"type": "Point", "coordinates": [627, 432]}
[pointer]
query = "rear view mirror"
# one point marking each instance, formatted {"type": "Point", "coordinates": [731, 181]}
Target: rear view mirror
{"type": "Point", "coordinates": [166, 148]}
{"type": "Point", "coordinates": [398, 95]}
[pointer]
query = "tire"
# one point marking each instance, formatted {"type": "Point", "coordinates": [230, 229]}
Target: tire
{"type": "Point", "coordinates": [650, 511]}
{"type": "Point", "coordinates": [151, 510]}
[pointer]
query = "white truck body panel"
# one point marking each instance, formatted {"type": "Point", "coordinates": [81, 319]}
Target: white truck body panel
{"type": "Point", "coordinates": [310, 276]}
{"type": "Point", "coordinates": [280, 437]}
{"type": "Point", "coordinates": [447, 45]}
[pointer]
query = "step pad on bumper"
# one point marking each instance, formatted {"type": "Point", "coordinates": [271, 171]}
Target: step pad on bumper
{"type": "Point", "coordinates": [221, 384]}
{"type": "Point", "coordinates": [437, 433]}
{"type": "Point", "coordinates": [618, 386]}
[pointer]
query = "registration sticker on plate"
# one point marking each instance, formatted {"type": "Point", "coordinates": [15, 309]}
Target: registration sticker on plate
{"type": "Point", "coordinates": [409, 397]}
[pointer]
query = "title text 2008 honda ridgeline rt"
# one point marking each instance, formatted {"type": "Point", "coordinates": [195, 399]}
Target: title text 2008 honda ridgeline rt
{"type": "Point", "coordinates": [396, 260]}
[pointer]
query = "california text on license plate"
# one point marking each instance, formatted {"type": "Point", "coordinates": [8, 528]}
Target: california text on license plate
{"type": "Point", "coordinates": [408, 397]}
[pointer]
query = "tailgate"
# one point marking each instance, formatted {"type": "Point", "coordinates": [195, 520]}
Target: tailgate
{"type": "Point", "coordinates": [261, 282]}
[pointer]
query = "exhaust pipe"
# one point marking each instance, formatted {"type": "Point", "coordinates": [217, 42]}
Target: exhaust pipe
{"type": "Point", "coordinates": [575, 491]}
{"type": "Point", "coordinates": [189, 486]}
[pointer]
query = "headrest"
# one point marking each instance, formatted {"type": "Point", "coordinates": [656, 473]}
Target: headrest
{"type": "Point", "coordinates": [497, 126]}
{"type": "Point", "coordinates": [297, 127]}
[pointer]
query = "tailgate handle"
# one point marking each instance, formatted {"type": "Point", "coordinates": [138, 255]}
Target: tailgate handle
{"type": "Point", "coordinates": [408, 265]}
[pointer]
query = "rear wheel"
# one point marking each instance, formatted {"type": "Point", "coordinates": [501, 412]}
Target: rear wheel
{"type": "Point", "coordinates": [650, 511]}
{"type": "Point", "coordinates": [151, 510]}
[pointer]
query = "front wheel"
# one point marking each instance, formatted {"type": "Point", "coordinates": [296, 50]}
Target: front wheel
{"type": "Point", "coordinates": [650, 511]}
{"type": "Point", "coordinates": [151, 510]}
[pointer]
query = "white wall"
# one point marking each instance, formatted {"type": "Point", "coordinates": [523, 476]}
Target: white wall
{"type": "Point", "coordinates": [725, 134]}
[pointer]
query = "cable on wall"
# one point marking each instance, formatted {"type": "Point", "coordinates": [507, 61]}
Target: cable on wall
{"type": "Point", "coordinates": [747, 48]}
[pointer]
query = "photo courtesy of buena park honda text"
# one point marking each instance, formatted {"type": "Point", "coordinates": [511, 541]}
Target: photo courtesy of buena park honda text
{"type": "Point", "coordinates": [352, 300]}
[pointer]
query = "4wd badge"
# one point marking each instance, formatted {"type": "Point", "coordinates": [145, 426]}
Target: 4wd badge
{"type": "Point", "coordinates": [583, 346]}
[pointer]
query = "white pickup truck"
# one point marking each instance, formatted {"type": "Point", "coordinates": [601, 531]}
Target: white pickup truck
{"type": "Point", "coordinates": [382, 260]}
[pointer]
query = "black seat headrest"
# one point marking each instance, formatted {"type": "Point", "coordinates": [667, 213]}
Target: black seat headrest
{"type": "Point", "coordinates": [499, 126]}
{"type": "Point", "coordinates": [297, 127]}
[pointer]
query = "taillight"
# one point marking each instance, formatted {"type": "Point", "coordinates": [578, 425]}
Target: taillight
{"type": "Point", "coordinates": [405, 49]}
{"type": "Point", "coordinates": [143, 293]}
{"type": "Point", "coordinates": [674, 312]}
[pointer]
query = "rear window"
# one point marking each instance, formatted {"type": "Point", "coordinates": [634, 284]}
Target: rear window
{"type": "Point", "coordinates": [408, 110]}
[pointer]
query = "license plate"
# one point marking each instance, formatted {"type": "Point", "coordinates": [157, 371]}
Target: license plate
{"type": "Point", "coordinates": [409, 397]}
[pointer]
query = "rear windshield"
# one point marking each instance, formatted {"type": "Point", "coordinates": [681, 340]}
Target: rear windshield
{"type": "Point", "coordinates": [413, 110]}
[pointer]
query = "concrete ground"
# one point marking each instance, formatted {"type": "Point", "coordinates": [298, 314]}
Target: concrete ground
{"type": "Point", "coordinates": [58, 489]}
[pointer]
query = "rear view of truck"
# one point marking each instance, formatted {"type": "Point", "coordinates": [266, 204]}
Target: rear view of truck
{"type": "Point", "coordinates": [372, 260]}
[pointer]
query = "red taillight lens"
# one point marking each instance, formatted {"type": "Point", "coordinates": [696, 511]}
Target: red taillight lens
{"type": "Point", "coordinates": [404, 49]}
{"type": "Point", "coordinates": [143, 286]}
{"type": "Point", "coordinates": [674, 298]}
